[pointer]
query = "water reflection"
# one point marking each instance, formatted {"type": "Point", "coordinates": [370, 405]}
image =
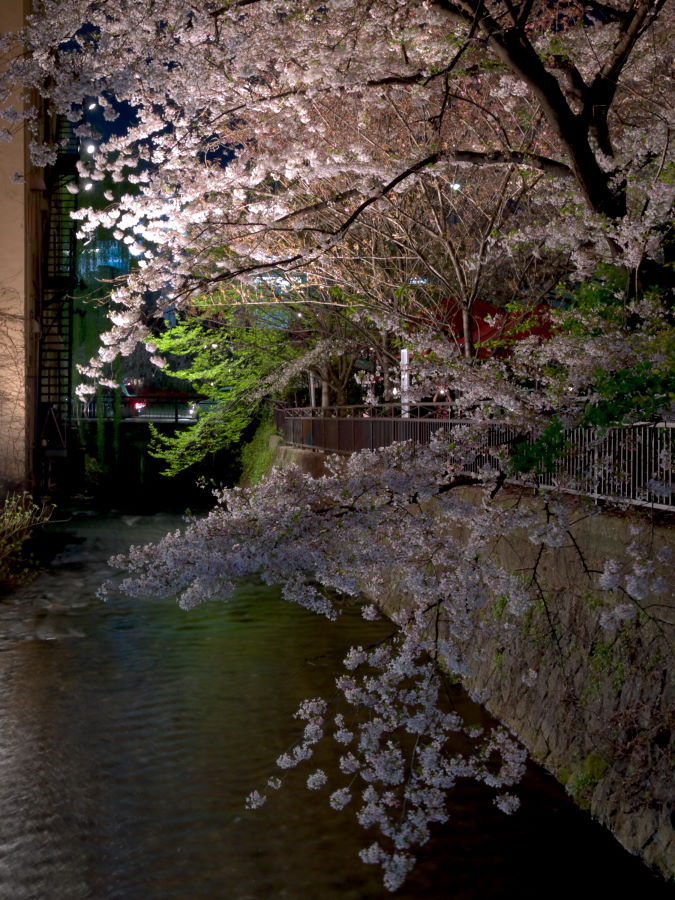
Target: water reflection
{"type": "Point", "coordinates": [131, 732]}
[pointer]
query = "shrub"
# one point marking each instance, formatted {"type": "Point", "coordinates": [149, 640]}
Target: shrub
{"type": "Point", "coordinates": [257, 455]}
{"type": "Point", "coordinates": [19, 515]}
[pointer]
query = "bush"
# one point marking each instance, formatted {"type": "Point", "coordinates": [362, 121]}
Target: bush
{"type": "Point", "coordinates": [19, 515]}
{"type": "Point", "coordinates": [540, 456]}
{"type": "Point", "coordinates": [257, 455]}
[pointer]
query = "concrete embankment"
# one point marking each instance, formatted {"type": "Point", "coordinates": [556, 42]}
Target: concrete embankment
{"type": "Point", "coordinates": [593, 705]}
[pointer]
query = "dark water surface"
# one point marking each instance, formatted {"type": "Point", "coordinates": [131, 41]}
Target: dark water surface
{"type": "Point", "coordinates": [131, 733]}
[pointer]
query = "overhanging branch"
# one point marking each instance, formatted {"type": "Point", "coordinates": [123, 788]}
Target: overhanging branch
{"type": "Point", "coordinates": [332, 238]}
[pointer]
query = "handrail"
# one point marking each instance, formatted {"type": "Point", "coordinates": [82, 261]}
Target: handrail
{"type": "Point", "coordinates": [372, 411]}
{"type": "Point", "coordinates": [141, 408]}
{"type": "Point", "coordinates": [628, 464]}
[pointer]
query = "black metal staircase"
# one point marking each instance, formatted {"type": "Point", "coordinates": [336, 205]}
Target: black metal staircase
{"type": "Point", "coordinates": [58, 282]}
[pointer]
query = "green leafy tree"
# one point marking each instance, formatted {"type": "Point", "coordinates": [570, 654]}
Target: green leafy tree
{"type": "Point", "coordinates": [232, 357]}
{"type": "Point", "coordinates": [619, 396]}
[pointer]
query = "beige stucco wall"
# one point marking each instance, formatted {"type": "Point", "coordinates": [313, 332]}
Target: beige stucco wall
{"type": "Point", "coordinates": [19, 283]}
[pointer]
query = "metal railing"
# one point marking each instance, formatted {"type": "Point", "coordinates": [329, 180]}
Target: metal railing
{"type": "Point", "coordinates": [146, 408]}
{"type": "Point", "coordinates": [345, 429]}
{"type": "Point", "coordinates": [632, 464]}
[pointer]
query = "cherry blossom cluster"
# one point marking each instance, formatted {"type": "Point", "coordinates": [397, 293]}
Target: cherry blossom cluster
{"type": "Point", "coordinates": [253, 120]}
{"type": "Point", "coordinates": [417, 524]}
{"type": "Point", "coordinates": [397, 521]}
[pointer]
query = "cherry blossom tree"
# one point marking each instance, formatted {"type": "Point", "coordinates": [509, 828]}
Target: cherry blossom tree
{"type": "Point", "coordinates": [272, 136]}
{"type": "Point", "coordinates": [430, 253]}
{"type": "Point", "coordinates": [301, 95]}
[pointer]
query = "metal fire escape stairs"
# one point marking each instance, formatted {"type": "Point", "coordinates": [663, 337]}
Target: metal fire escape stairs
{"type": "Point", "coordinates": [59, 278]}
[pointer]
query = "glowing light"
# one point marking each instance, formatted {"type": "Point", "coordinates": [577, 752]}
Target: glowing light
{"type": "Point", "coordinates": [91, 148]}
{"type": "Point", "coordinates": [92, 106]}
{"type": "Point", "coordinates": [88, 186]}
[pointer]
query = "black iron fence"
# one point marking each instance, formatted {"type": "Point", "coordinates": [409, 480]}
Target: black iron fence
{"type": "Point", "coordinates": [145, 408]}
{"type": "Point", "coordinates": [345, 429]}
{"type": "Point", "coordinates": [633, 464]}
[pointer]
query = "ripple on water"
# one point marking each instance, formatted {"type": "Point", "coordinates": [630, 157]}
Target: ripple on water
{"type": "Point", "coordinates": [131, 732]}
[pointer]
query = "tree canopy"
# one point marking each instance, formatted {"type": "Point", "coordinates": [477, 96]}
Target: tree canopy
{"type": "Point", "coordinates": [252, 119]}
{"type": "Point", "coordinates": [406, 159]}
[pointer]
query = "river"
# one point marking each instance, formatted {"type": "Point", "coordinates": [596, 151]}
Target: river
{"type": "Point", "coordinates": [131, 733]}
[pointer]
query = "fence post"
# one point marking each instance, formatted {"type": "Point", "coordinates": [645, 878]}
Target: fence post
{"type": "Point", "coordinates": [405, 384]}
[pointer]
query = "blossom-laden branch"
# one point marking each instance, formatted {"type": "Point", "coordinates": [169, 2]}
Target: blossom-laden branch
{"type": "Point", "coordinates": [248, 117]}
{"type": "Point", "coordinates": [381, 522]}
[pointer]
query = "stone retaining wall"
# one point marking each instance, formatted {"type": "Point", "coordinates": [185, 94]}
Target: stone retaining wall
{"type": "Point", "coordinates": [594, 706]}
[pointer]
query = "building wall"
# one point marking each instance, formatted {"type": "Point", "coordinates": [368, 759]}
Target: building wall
{"type": "Point", "coordinates": [21, 206]}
